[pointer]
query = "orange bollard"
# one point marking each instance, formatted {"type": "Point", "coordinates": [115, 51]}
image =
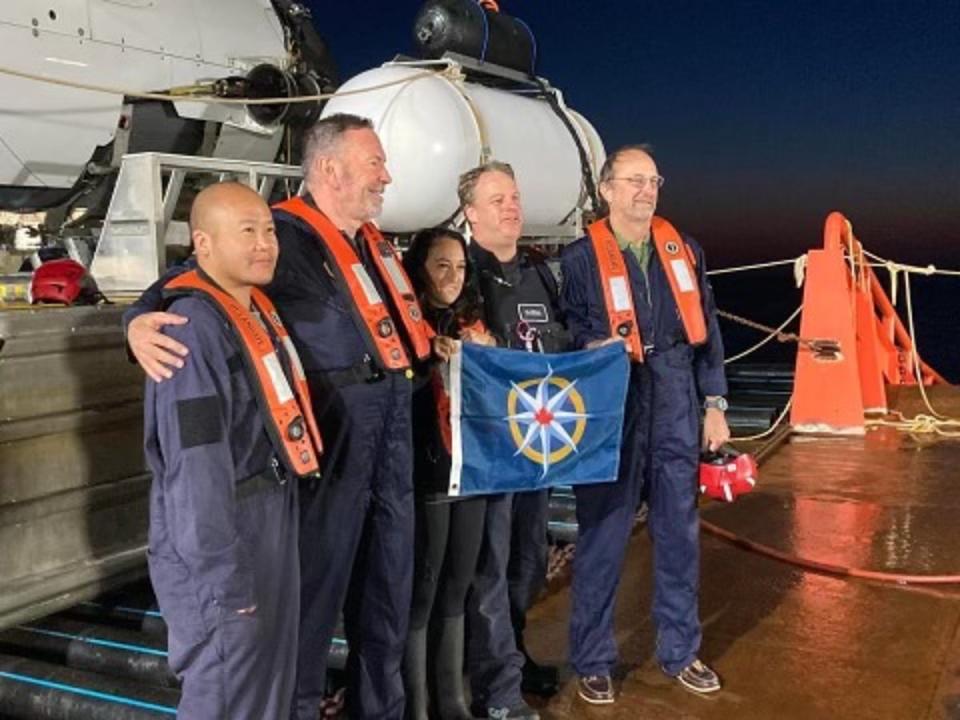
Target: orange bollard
{"type": "Point", "coordinates": [869, 347]}
{"type": "Point", "coordinates": [869, 354]}
{"type": "Point", "coordinates": [844, 301]}
{"type": "Point", "coordinates": [827, 397]}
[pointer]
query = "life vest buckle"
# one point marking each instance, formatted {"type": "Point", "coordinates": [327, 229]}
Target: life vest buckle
{"type": "Point", "coordinates": [385, 328]}
{"type": "Point", "coordinates": [295, 429]}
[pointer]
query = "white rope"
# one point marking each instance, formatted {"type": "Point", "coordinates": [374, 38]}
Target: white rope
{"type": "Point", "coordinates": [919, 424]}
{"type": "Point", "coordinates": [935, 422]}
{"type": "Point", "coordinates": [917, 370]}
{"type": "Point", "coordinates": [894, 269]}
{"type": "Point", "coordinates": [211, 99]}
{"type": "Point", "coordinates": [768, 431]}
{"type": "Point", "coordinates": [905, 267]}
{"type": "Point", "coordinates": [755, 266]}
{"type": "Point", "coordinates": [800, 270]}
{"type": "Point", "coordinates": [767, 339]}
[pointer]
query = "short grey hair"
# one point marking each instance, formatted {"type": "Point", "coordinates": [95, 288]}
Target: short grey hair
{"type": "Point", "coordinates": [606, 172]}
{"type": "Point", "coordinates": [322, 137]}
{"type": "Point", "coordinates": [468, 181]}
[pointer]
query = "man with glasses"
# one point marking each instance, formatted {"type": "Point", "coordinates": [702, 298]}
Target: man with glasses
{"type": "Point", "coordinates": [634, 279]}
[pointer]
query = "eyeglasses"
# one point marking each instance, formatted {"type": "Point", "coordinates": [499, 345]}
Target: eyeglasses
{"type": "Point", "coordinates": [639, 182]}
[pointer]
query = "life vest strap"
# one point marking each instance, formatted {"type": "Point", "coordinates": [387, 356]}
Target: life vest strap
{"type": "Point", "coordinates": [371, 313]}
{"type": "Point", "coordinates": [679, 266]}
{"type": "Point", "coordinates": [285, 403]}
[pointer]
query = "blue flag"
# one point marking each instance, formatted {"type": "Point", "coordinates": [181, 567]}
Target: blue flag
{"type": "Point", "coordinates": [524, 421]}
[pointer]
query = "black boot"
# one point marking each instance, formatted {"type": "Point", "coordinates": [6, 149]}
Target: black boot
{"type": "Point", "coordinates": [542, 680]}
{"type": "Point", "coordinates": [415, 675]}
{"type": "Point", "coordinates": [449, 702]}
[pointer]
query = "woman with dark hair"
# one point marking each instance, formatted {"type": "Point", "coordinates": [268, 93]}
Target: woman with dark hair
{"type": "Point", "coordinates": [449, 530]}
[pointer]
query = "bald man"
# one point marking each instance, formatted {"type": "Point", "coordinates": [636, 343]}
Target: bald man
{"type": "Point", "coordinates": [347, 301]}
{"type": "Point", "coordinates": [225, 438]}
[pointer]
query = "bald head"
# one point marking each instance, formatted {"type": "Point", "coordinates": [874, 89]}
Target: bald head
{"type": "Point", "coordinates": [219, 201]}
{"type": "Point", "coordinates": [233, 236]}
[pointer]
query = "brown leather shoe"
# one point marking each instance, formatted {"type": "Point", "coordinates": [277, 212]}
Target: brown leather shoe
{"type": "Point", "coordinates": [595, 689]}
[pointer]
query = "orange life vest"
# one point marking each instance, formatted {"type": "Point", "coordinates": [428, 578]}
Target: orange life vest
{"type": "Point", "coordinates": [441, 396]}
{"type": "Point", "coordinates": [287, 413]}
{"type": "Point", "coordinates": [381, 333]}
{"type": "Point", "coordinates": [678, 265]}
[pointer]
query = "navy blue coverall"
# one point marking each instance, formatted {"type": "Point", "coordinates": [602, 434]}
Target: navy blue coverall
{"type": "Point", "coordinates": [357, 522]}
{"type": "Point", "coordinates": [659, 461]}
{"type": "Point", "coordinates": [223, 531]}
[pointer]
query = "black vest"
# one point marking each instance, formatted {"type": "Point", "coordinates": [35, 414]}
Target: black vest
{"type": "Point", "coordinates": [520, 299]}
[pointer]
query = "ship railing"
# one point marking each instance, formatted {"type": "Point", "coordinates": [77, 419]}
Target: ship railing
{"type": "Point", "coordinates": [140, 224]}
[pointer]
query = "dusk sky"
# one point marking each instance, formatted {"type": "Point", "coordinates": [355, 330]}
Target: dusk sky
{"type": "Point", "coordinates": [764, 115]}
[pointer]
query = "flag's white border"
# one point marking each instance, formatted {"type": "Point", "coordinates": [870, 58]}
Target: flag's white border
{"type": "Point", "coordinates": [456, 440]}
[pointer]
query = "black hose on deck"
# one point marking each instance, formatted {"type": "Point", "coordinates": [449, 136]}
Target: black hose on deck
{"type": "Point", "coordinates": [32, 690]}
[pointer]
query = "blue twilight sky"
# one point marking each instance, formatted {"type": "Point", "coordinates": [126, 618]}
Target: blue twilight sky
{"type": "Point", "coordinates": [764, 115]}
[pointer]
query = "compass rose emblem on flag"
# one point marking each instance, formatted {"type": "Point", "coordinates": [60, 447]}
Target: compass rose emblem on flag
{"type": "Point", "coordinates": [547, 418]}
{"type": "Point", "coordinates": [524, 421]}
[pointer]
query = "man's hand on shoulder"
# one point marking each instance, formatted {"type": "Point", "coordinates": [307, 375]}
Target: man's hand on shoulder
{"type": "Point", "coordinates": [159, 355]}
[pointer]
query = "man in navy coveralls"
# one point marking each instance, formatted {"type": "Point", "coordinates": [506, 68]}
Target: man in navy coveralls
{"type": "Point", "coordinates": [223, 512]}
{"type": "Point", "coordinates": [678, 384]}
{"type": "Point", "coordinates": [356, 529]}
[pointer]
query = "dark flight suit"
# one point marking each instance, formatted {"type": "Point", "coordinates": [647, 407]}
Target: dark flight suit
{"type": "Point", "coordinates": [661, 445]}
{"type": "Point", "coordinates": [223, 531]}
{"type": "Point", "coordinates": [357, 522]}
{"type": "Point", "coordinates": [513, 561]}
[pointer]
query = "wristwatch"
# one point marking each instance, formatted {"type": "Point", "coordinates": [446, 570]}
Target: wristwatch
{"type": "Point", "coordinates": [717, 403]}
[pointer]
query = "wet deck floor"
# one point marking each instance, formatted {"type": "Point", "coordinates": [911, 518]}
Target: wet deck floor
{"type": "Point", "coordinates": [791, 643]}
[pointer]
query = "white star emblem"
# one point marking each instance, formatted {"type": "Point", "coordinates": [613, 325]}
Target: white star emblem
{"type": "Point", "coordinates": [545, 419]}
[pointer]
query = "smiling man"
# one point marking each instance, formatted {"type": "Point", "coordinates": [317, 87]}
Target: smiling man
{"type": "Point", "coordinates": [223, 504]}
{"type": "Point", "coordinates": [350, 309]}
{"type": "Point", "coordinates": [521, 308]}
{"type": "Point", "coordinates": [635, 279]}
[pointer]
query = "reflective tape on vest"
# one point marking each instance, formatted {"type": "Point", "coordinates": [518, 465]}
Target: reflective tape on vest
{"type": "Point", "coordinates": [284, 409]}
{"type": "Point", "coordinates": [679, 267]}
{"type": "Point", "coordinates": [677, 260]}
{"type": "Point", "coordinates": [369, 309]}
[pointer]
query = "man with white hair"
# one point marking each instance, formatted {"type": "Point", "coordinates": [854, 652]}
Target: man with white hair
{"type": "Point", "coordinates": [351, 311]}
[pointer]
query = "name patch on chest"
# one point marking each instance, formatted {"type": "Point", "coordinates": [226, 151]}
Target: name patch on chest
{"type": "Point", "coordinates": [533, 312]}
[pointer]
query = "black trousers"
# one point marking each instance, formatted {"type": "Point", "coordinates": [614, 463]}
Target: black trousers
{"type": "Point", "coordinates": [447, 544]}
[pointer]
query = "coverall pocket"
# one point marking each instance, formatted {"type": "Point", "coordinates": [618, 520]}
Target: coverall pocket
{"type": "Point", "coordinates": [238, 636]}
{"type": "Point", "coordinates": [189, 618]}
